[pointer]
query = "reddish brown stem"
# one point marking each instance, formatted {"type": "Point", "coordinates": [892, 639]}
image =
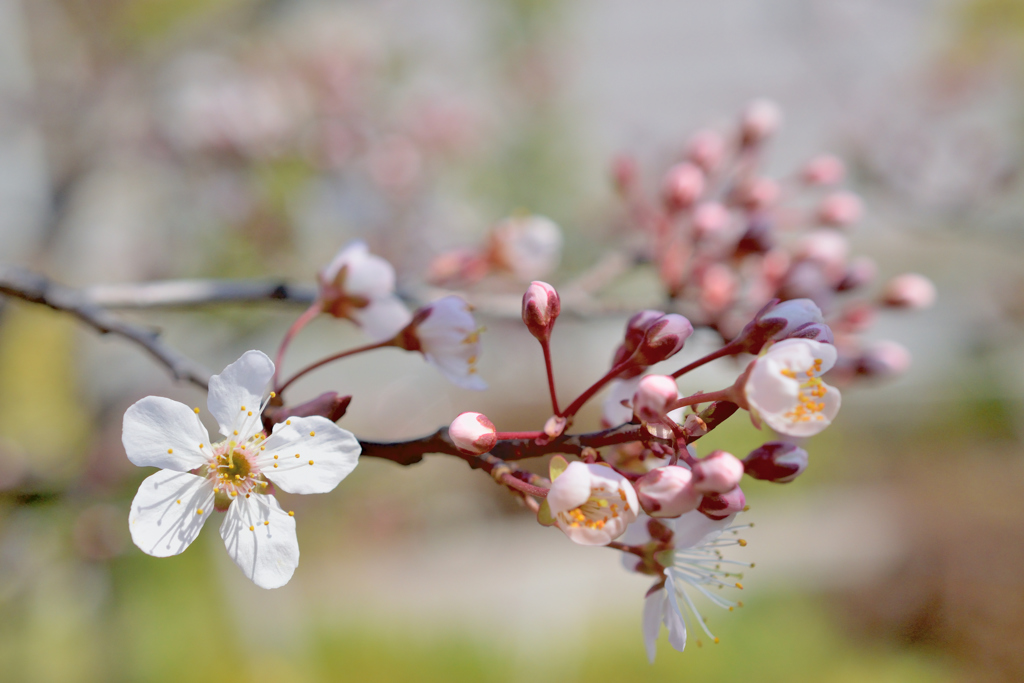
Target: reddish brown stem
{"type": "Point", "coordinates": [594, 388]}
{"type": "Point", "coordinates": [726, 350]}
{"type": "Point", "coordinates": [337, 356]}
{"type": "Point", "coordinates": [300, 322]}
{"type": "Point", "coordinates": [546, 347]}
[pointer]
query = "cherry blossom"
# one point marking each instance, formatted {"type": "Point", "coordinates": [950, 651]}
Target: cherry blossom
{"type": "Point", "coordinates": [592, 504]}
{"type": "Point", "coordinates": [448, 337]}
{"type": "Point", "coordinates": [361, 287]}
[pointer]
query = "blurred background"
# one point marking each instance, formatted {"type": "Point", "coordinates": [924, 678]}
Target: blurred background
{"type": "Point", "coordinates": [151, 139]}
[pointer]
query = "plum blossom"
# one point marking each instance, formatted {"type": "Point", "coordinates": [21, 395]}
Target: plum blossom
{"type": "Point", "coordinates": [361, 287]}
{"type": "Point", "coordinates": [530, 247]}
{"type": "Point", "coordinates": [592, 504]}
{"type": "Point", "coordinates": [234, 475]}
{"type": "Point", "coordinates": [784, 388]}
{"type": "Point", "coordinates": [448, 337]}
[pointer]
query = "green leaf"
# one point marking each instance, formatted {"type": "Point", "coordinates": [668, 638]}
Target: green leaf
{"type": "Point", "coordinates": [557, 466]}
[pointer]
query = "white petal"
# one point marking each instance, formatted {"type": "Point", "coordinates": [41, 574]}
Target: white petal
{"type": "Point", "coordinates": [165, 516]}
{"type": "Point", "coordinates": [571, 489]}
{"type": "Point", "coordinates": [242, 383]}
{"type": "Point", "coordinates": [266, 553]}
{"type": "Point", "coordinates": [654, 606]}
{"type": "Point", "coordinates": [333, 452]}
{"type": "Point", "coordinates": [369, 275]}
{"type": "Point", "coordinates": [584, 535]}
{"type": "Point", "coordinates": [674, 621]}
{"type": "Point", "coordinates": [693, 529]}
{"type": "Point", "coordinates": [159, 432]}
{"type": "Point", "coordinates": [383, 318]}
{"type": "Point", "coordinates": [612, 410]}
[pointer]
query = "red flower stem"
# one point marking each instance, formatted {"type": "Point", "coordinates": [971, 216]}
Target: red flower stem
{"type": "Point", "coordinates": [701, 397]}
{"type": "Point", "coordinates": [546, 347]}
{"type": "Point", "coordinates": [520, 435]}
{"type": "Point", "coordinates": [337, 356]}
{"type": "Point", "coordinates": [594, 388]}
{"type": "Point", "coordinates": [514, 482]}
{"type": "Point", "coordinates": [726, 350]}
{"type": "Point", "coordinates": [632, 550]}
{"type": "Point", "coordinates": [300, 322]}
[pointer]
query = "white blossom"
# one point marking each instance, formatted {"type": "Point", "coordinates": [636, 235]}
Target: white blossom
{"type": "Point", "coordinates": [361, 287]}
{"type": "Point", "coordinates": [448, 337]}
{"type": "Point", "coordinates": [197, 475]}
{"type": "Point", "coordinates": [784, 388]}
{"type": "Point", "coordinates": [592, 504]}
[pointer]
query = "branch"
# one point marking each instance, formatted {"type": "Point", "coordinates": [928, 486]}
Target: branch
{"type": "Point", "coordinates": [183, 293]}
{"type": "Point", "coordinates": [37, 289]}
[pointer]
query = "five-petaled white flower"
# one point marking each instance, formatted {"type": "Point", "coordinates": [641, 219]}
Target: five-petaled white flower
{"type": "Point", "coordinates": [785, 390]}
{"type": "Point", "coordinates": [361, 287]}
{"type": "Point", "coordinates": [592, 504]}
{"type": "Point", "coordinates": [693, 561]}
{"type": "Point", "coordinates": [302, 455]}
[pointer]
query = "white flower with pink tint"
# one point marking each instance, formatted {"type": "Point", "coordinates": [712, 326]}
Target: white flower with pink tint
{"type": "Point", "coordinates": [448, 337]}
{"type": "Point", "coordinates": [785, 390]}
{"type": "Point", "coordinates": [473, 433]}
{"type": "Point", "coordinates": [234, 474]}
{"type": "Point", "coordinates": [653, 396]}
{"type": "Point", "coordinates": [592, 504]}
{"type": "Point", "coordinates": [530, 247]}
{"type": "Point", "coordinates": [360, 286]}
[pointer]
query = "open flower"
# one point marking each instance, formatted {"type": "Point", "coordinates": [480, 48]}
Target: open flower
{"type": "Point", "coordinates": [784, 387]}
{"type": "Point", "coordinates": [529, 247]}
{"type": "Point", "coordinates": [689, 553]}
{"type": "Point", "coordinates": [592, 504]}
{"type": "Point", "coordinates": [446, 334]}
{"type": "Point", "coordinates": [361, 287]}
{"type": "Point", "coordinates": [234, 475]}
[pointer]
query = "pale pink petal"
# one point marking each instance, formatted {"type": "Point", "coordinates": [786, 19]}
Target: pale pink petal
{"type": "Point", "coordinates": [674, 621]}
{"type": "Point", "coordinates": [571, 489]}
{"type": "Point", "coordinates": [159, 432]}
{"type": "Point", "coordinates": [654, 606]}
{"type": "Point", "coordinates": [168, 512]}
{"type": "Point", "coordinates": [260, 538]}
{"type": "Point", "coordinates": [326, 454]}
{"type": "Point", "coordinates": [694, 529]}
{"type": "Point", "coordinates": [367, 275]}
{"type": "Point", "coordinates": [383, 318]}
{"type": "Point", "coordinates": [239, 390]}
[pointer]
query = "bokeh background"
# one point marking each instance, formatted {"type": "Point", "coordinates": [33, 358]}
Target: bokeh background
{"type": "Point", "coordinates": [150, 139]}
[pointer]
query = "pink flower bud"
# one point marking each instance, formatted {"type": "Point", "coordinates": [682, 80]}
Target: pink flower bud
{"type": "Point", "coordinates": [759, 194]}
{"type": "Point", "coordinates": [861, 271]}
{"type": "Point", "coordinates": [823, 170]}
{"type": "Point", "coordinates": [776, 461]}
{"type": "Point", "coordinates": [760, 119]}
{"type": "Point", "coordinates": [722, 505]}
{"type": "Point", "coordinates": [664, 338]}
{"type": "Point", "coordinates": [473, 433]}
{"type": "Point", "coordinates": [884, 360]}
{"type": "Point", "coordinates": [719, 472]}
{"type": "Point", "coordinates": [684, 184]}
{"type": "Point", "coordinates": [778, 321]}
{"type": "Point", "coordinates": [541, 306]}
{"type": "Point", "coordinates": [706, 149]}
{"type": "Point", "coordinates": [828, 249]}
{"type": "Point", "coordinates": [667, 492]}
{"type": "Point", "coordinates": [624, 173]}
{"type": "Point", "coordinates": [756, 240]}
{"type": "Point", "coordinates": [718, 287]}
{"type": "Point", "coordinates": [840, 209]}
{"type": "Point", "coordinates": [909, 291]}
{"type": "Point", "coordinates": [637, 326]}
{"type": "Point", "coordinates": [653, 396]}
{"type": "Point", "coordinates": [709, 218]}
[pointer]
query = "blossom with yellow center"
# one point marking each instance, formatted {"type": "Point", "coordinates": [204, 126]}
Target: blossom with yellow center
{"type": "Point", "coordinates": [592, 504]}
{"type": "Point", "coordinates": [785, 390]}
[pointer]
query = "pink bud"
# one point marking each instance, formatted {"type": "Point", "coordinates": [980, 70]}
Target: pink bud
{"type": "Point", "coordinates": [840, 209]}
{"type": "Point", "coordinates": [653, 396]}
{"type": "Point", "coordinates": [722, 505]}
{"type": "Point", "coordinates": [706, 149]}
{"type": "Point", "coordinates": [823, 170]}
{"type": "Point", "coordinates": [861, 271]}
{"type": "Point", "coordinates": [667, 492]}
{"type": "Point", "coordinates": [637, 326]}
{"type": "Point", "coordinates": [827, 248]}
{"type": "Point", "coordinates": [709, 218]}
{"type": "Point", "coordinates": [719, 472]}
{"type": "Point", "coordinates": [759, 194]}
{"type": "Point", "coordinates": [909, 291]}
{"type": "Point", "coordinates": [473, 433]}
{"type": "Point", "coordinates": [778, 321]}
{"type": "Point", "coordinates": [776, 461]}
{"type": "Point", "coordinates": [760, 119]}
{"type": "Point", "coordinates": [684, 183]}
{"type": "Point", "coordinates": [624, 173]}
{"type": "Point", "coordinates": [541, 306]}
{"type": "Point", "coordinates": [664, 338]}
{"type": "Point", "coordinates": [718, 287]}
{"type": "Point", "coordinates": [884, 360]}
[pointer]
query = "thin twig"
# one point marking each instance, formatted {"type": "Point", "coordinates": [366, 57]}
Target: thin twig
{"type": "Point", "coordinates": [191, 293]}
{"type": "Point", "coordinates": [37, 289]}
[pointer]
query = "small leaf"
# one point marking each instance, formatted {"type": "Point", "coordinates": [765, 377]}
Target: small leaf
{"type": "Point", "coordinates": [557, 465]}
{"type": "Point", "coordinates": [544, 514]}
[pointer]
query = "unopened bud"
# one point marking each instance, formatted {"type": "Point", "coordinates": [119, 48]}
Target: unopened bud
{"type": "Point", "coordinates": [473, 433]}
{"type": "Point", "coordinates": [541, 307]}
{"type": "Point", "coordinates": [554, 426]}
{"type": "Point", "coordinates": [709, 218]}
{"type": "Point", "coordinates": [778, 321]}
{"type": "Point", "coordinates": [684, 184]}
{"type": "Point", "coordinates": [884, 360]}
{"type": "Point", "coordinates": [624, 174]}
{"type": "Point", "coordinates": [667, 491]}
{"type": "Point", "coordinates": [759, 194]}
{"type": "Point", "coordinates": [760, 119]}
{"type": "Point", "coordinates": [828, 249]}
{"type": "Point", "coordinates": [637, 326]}
{"type": "Point", "coordinates": [860, 272]}
{"type": "Point", "coordinates": [840, 209]}
{"type": "Point", "coordinates": [706, 149]}
{"type": "Point", "coordinates": [823, 170]}
{"type": "Point", "coordinates": [719, 472]}
{"type": "Point", "coordinates": [757, 239]}
{"type": "Point", "coordinates": [722, 505]}
{"type": "Point", "coordinates": [776, 461]}
{"type": "Point", "coordinates": [653, 396]}
{"type": "Point", "coordinates": [909, 291]}
{"type": "Point", "coordinates": [664, 338]}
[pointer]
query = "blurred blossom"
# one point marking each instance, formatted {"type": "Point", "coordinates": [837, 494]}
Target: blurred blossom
{"type": "Point", "coordinates": [530, 247]}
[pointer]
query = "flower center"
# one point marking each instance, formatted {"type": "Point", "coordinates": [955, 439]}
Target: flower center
{"type": "Point", "coordinates": [233, 469]}
{"type": "Point", "coordinates": [602, 506]}
{"type": "Point", "coordinates": [808, 406]}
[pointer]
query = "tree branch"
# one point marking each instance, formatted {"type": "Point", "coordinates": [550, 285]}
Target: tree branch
{"type": "Point", "coordinates": [185, 293]}
{"type": "Point", "coordinates": [37, 289]}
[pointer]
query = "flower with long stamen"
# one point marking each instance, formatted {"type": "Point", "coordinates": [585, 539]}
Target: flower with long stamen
{"type": "Point", "coordinates": [233, 475]}
{"type": "Point", "coordinates": [785, 390]}
{"type": "Point", "coordinates": [361, 287]}
{"type": "Point", "coordinates": [448, 337]}
{"type": "Point", "coordinates": [591, 504]}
